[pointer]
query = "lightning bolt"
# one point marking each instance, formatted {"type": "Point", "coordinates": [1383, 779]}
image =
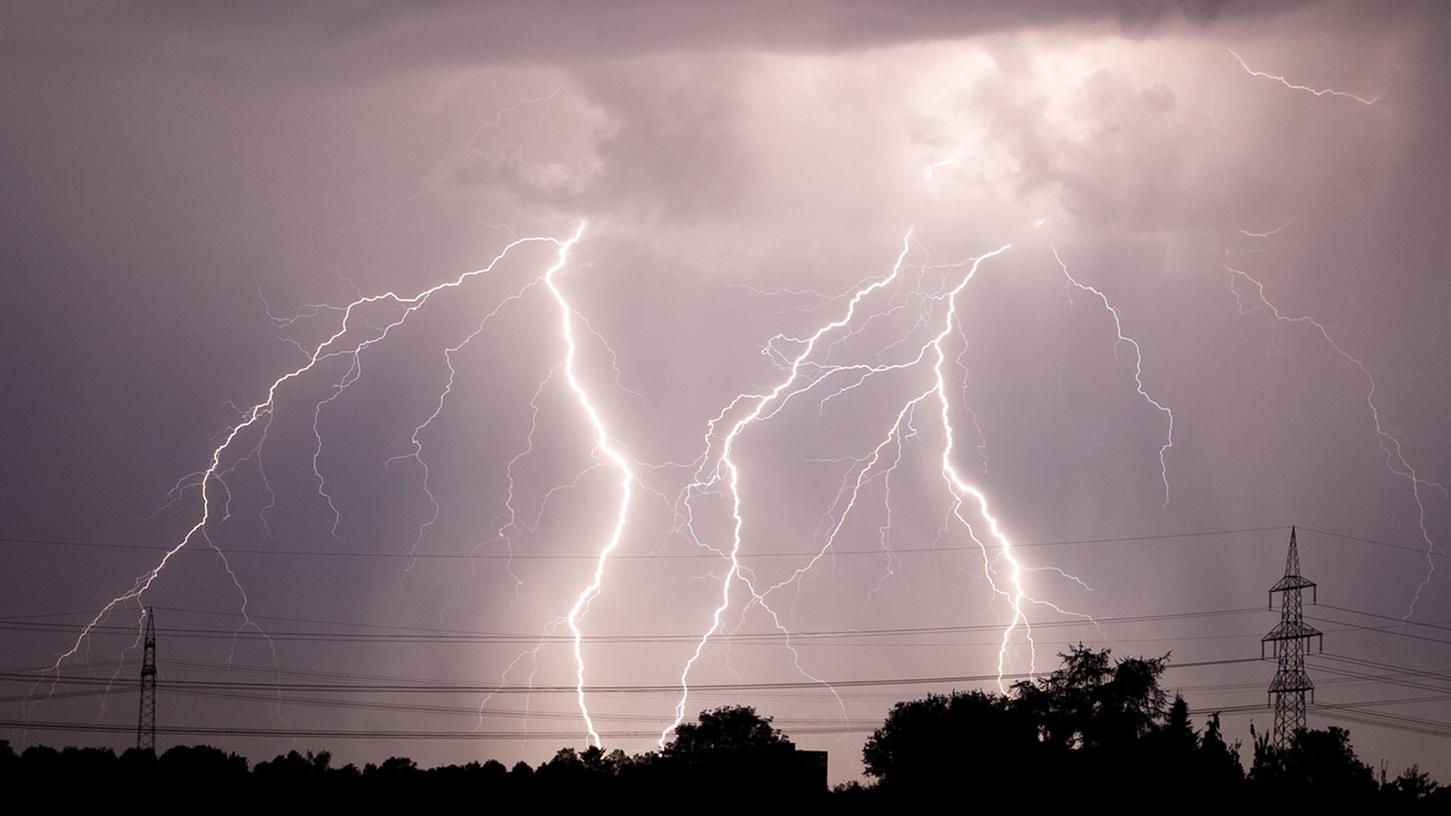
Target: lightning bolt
{"type": "Point", "coordinates": [732, 473]}
{"type": "Point", "coordinates": [430, 190]}
{"type": "Point", "coordinates": [796, 381]}
{"type": "Point", "coordinates": [330, 348]}
{"type": "Point", "coordinates": [604, 444]}
{"type": "Point", "coordinates": [959, 488]}
{"type": "Point", "coordinates": [884, 531]}
{"type": "Point", "coordinates": [954, 158]}
{"type": "Point", "coordinates": [1390, 445]}
{"type": "Point", "coordinates": [499, 114]}
{"type": "Point", "coordinates": [417, 453]}
{"type": "Point", "coordinates": [806, 364]}
{"type": "Point", "coordinates": [1208, 81]}
{"type": "Point", "coordinates": [1294, 87]}
{"type": "Point", "coordinates": [504, 533]}
{"type": "Point", "coordinates": [1267, 233]}
{"type": "Point", "coordinates": [1138, 365]}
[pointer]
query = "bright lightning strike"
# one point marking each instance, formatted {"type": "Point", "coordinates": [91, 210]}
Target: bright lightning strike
{"type": "Point", "coordinates": [605, 445]}
{"type": "Point", "coordinates": [960, 487]}
{"type": "Point", "coordinates": [332, 347]}
{"type": "Point", "coordinates": [733, 474]}
{"type": "Point", "coordinates": [1294, 87]}
{"type": "Point", "coordinates": [1138, 368]}
{"type": "Point", "coordinates": [795, 382]}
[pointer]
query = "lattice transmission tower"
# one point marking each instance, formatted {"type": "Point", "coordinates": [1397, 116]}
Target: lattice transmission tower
{"type": "Point", "coordinates": [146, 721]}
{"type": "Point", "coordinates": [1291, 642]}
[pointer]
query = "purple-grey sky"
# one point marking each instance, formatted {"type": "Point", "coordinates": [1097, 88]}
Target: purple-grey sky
{"type": "Point", "coordinates": [1260, 191]}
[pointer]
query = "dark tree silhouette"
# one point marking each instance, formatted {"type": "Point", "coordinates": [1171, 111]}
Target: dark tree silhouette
{"type": "Point", "coordinates": [1096, 732]}
{"type": "Point", "coordinates": [203, 766]}
{"type": "Point", "coordinates": [735, 753]}
{"type": "Point", "coordinates": [1177, 734]}
{"type": "Point", "coordinates": [1091, 702]}
{"type": "Point", "coordinates": [294, 767]}
{"type": "Point", "coordinates": [934, 742]}
{"type": "Point", "coordinates": [1413, 785]}
{"type": "Point", "coordinates": [729, 728]}
{"type": "Point", "coordinates": [1317, 765]}
{"type": "Point", "coordinates": [1094, 726]}
{"type": "Point", "coordinates": [1219, 761]}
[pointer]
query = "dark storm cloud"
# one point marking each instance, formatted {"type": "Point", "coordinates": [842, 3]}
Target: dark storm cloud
{"type": "Point", "coordinates": [365, 35]}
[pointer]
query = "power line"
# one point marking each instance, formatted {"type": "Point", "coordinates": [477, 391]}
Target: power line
{"type": "Point", "coordinates": [1351, 711]}
{"type": "Point", "coordinates": [1375, 664]}
{"type": "Point", "coordinates": [426, 635]}
{"type": "Point", "coordinates": [52, 542]}
{"type": "Point", "coordinates": [1374, 678]}
{"type": "Point", "coordinates": [1382, 630]}
{"type": "Point", "coordinates": [350, 688]}
{"type": "Point", "coordinates": [1424, 727]}
{"type": "Point", "coordinates": [229, 669]}
{"type": "Point", "coordinates": [571, 716]}
{"type": "Point", "coordinates": [1408, 621]}
{"type": "Point", "coordinates": [447, 636]}
{"type": "Point", "coordinates": [1410, 678]}
{"type": "Point", "coordinates": [1431, 551]}
{"type": "Point", "coordinates": [295, 733]}
{"type": "Point", "coordinates": [1339, 713]}
{"type": "Point", "coordinates": [631, 556]}
{"type": "Point", "coordinates": [764, 640]}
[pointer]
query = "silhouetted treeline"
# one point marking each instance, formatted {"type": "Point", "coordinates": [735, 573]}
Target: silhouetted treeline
{"type": "Point", "coordinates": [730, 755]}
{"type": "Point", "coordinates": [1093, 733]}
{"type": "Point", "coordinates": [1097, 730]}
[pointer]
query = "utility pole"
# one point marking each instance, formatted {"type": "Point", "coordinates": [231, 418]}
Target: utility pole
{"type": "Point", "coordinates": [146, 721]}
{"type": "Point", "coordinates": [1291, 639]}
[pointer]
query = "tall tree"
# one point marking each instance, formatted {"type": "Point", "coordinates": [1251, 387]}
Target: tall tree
{"type": "Point", "coordinates": [728, 728]}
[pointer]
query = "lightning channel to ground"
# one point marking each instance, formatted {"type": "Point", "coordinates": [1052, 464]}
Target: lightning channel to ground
{"type": "Point", "coordinates": [1007, 583]}
{"type": "Point", "coordinates": [330, 348]}
{"type": "Point", "coordinates": [1390, 444]}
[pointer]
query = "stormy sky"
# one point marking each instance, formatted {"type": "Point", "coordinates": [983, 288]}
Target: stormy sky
{"type": "Point", "coordinates": [191, 191]}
